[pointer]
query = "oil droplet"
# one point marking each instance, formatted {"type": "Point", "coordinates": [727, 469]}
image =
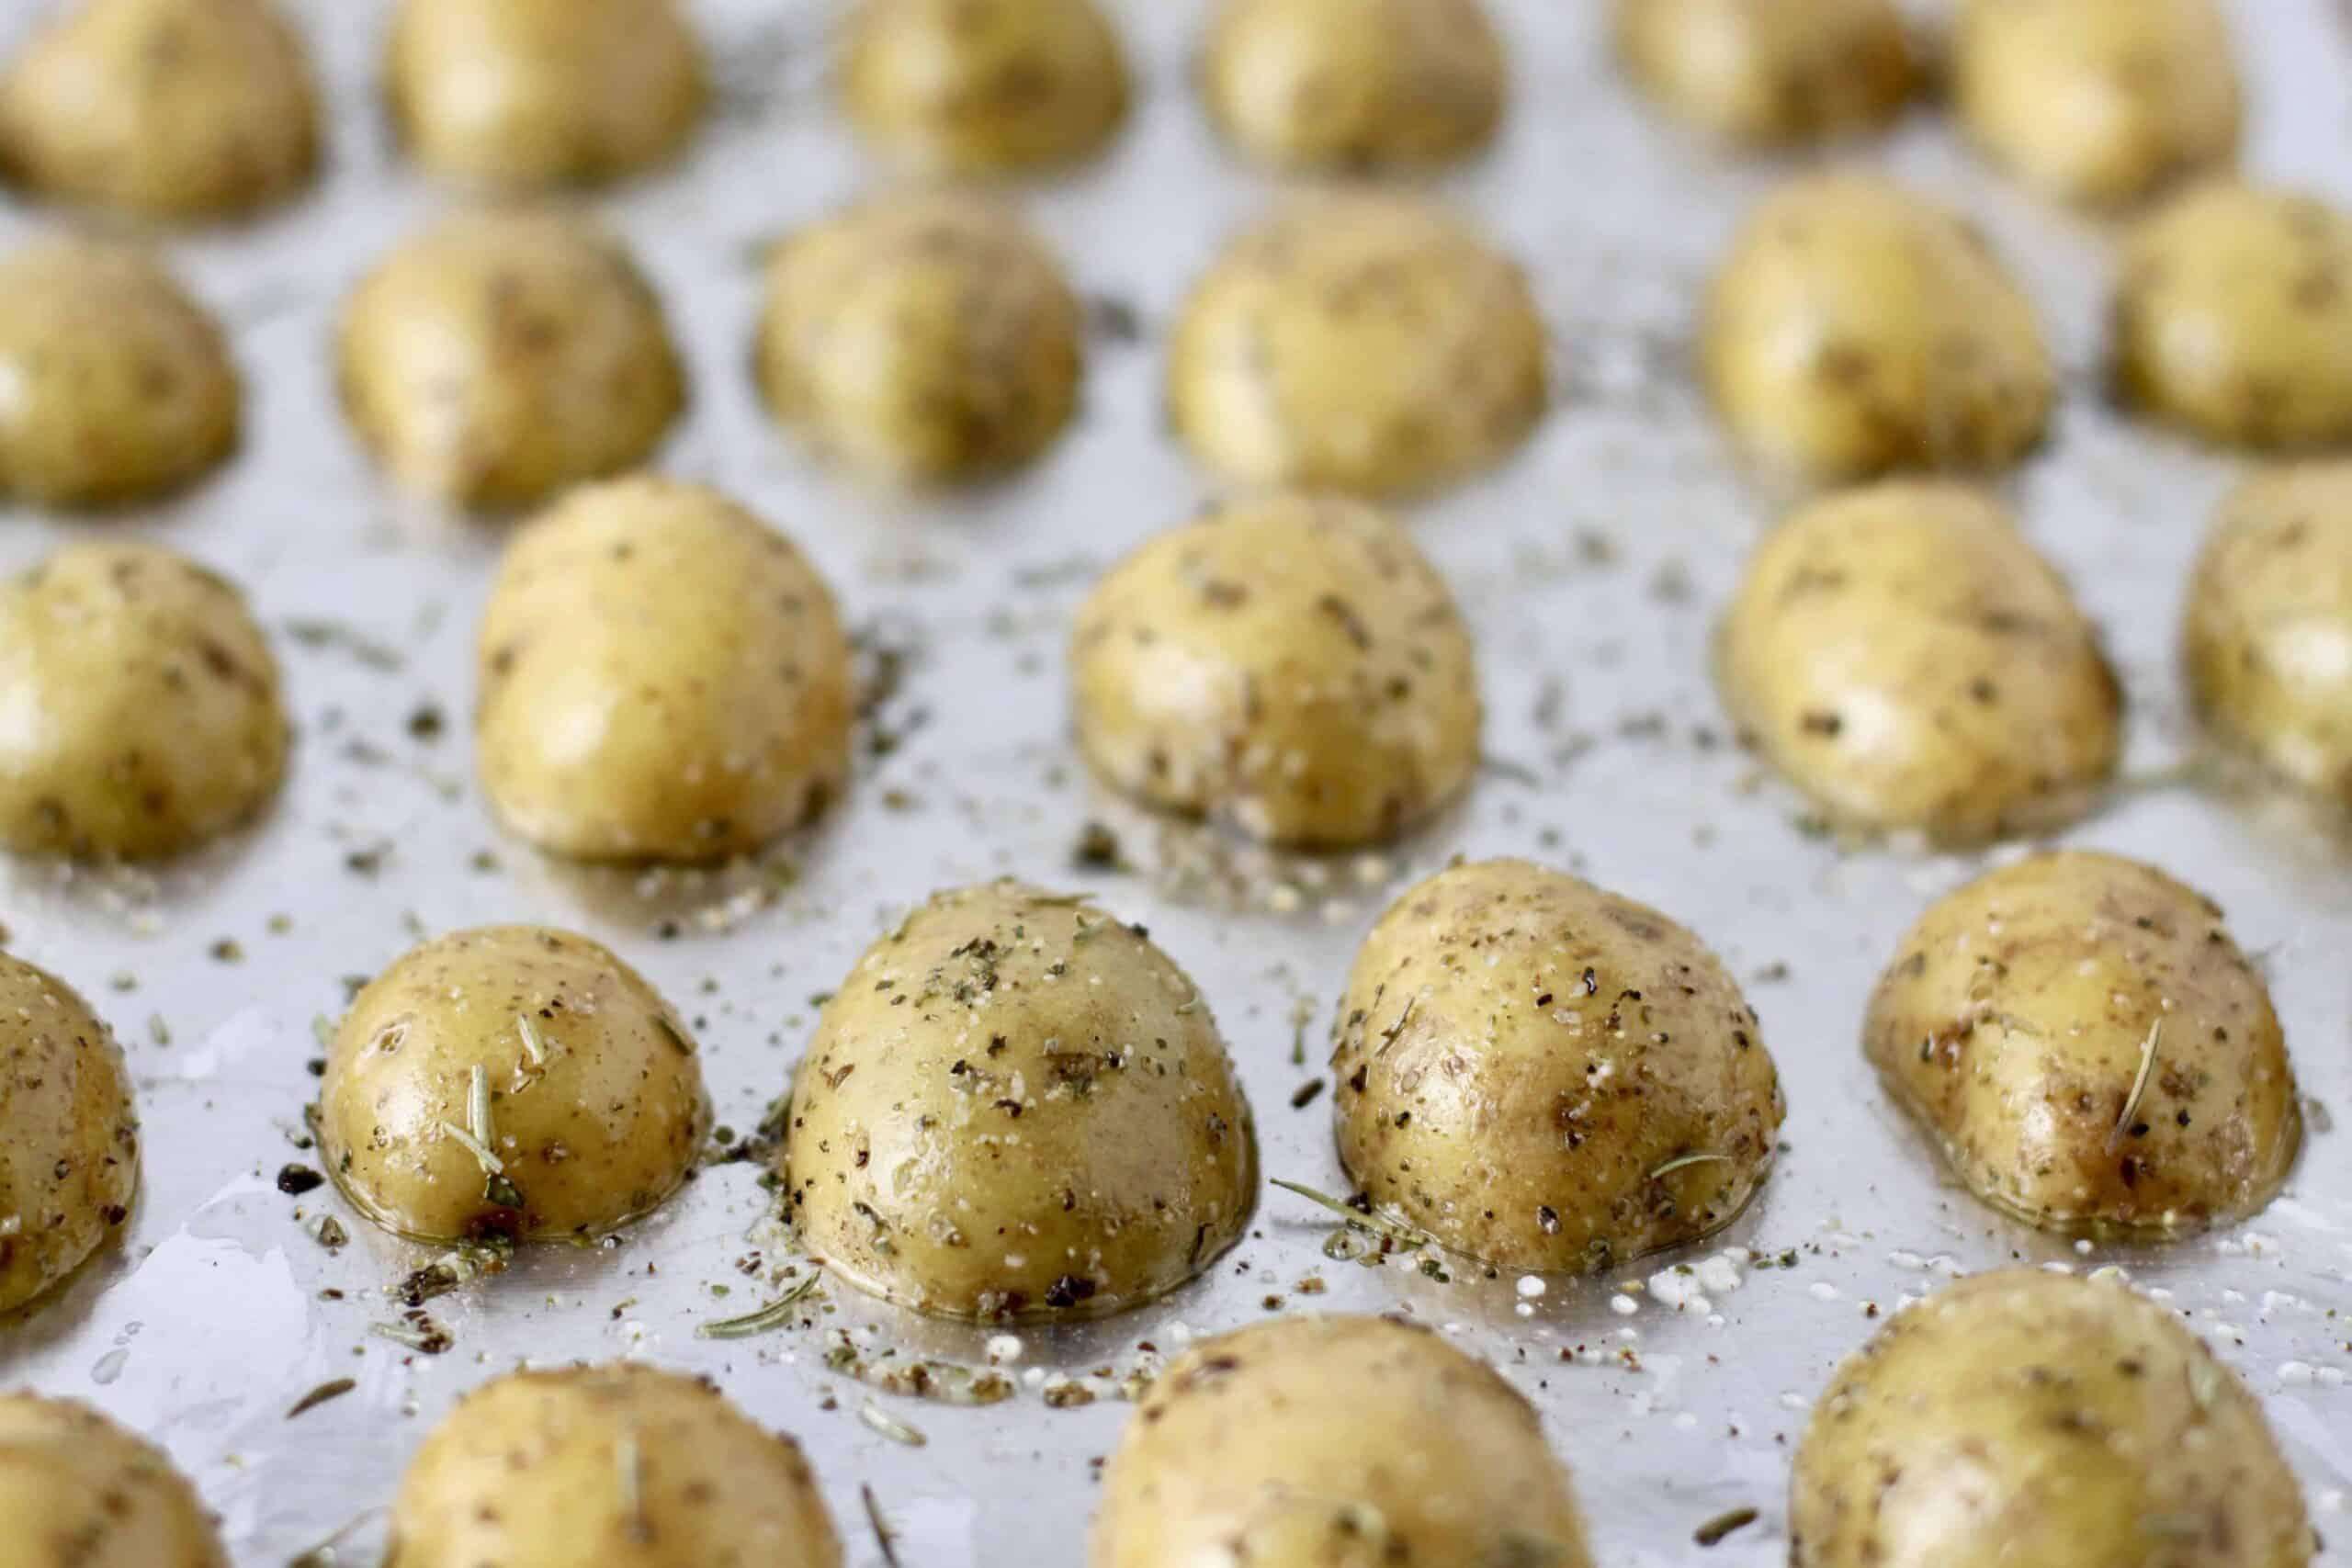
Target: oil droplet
{"type": "Point", "coordinates": [109, 1366]}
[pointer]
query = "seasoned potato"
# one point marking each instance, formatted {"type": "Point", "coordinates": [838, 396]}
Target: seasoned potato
{"type": "Point", "coordinates": [537, 91]}
{"type": "Point", "coordinates": [144, 703]}
{"type": "Point", "coordinates": [984, 85]}
{"type": "Point", "coordinates": [1770, 73]}
{"type": "Point", "coordinates": [1364, 342]}
{"type": "Point", "coordinates": [79, 1491]}
{"type": "Point", "coordinates": [930, 335]}
{"type": "Point", "coordinates": [1294, 667]}
{"type": "Point", "coordinates": [1335, 1442]}
{"type": "Point", "coordinates": [1017, 1108]}
{"type": "Point", "coordinates": [1858, 328]}
{"type": "Point", "coordinates": [2027, 1419]}
{"type": "Point", "coordinates": [661, 676]}
{"type": "Point", "coordinates": [615, 1463]}
{"type": "Point", "coordinates": [2234, 317]}
{"type": "Point", "coordinates": [1317, 83]}
{"type": "Point", "coordinates": [69, 1138]}
{"type": "Point", "coordinates": [514, 1082]}
{"type": "Point", "coordinates": [502, 357]}
{"type": "Point", "coordinates": [1543, 1074]}
{"type": "Point", "coordinates": [2098, 100]}
{"type": "Point", "coordinates": [2268, 636]}
{"type": "Point", "coordinates": [1903, 654]}
{"type": "Point", "coordinates": [119, 386]}
{"type": "Point", "coordinates": [2089, 1049]}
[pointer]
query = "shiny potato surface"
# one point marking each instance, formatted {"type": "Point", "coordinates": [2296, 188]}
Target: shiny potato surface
{"type": "Point", "coordinates": [79, 1492]}
{"type": "Point", "coordinates": [1772, 72]}
{"type": "Point", "coordinates": [69, 1137]}
{"type": "Point", "coordinates": [984, 86]}
{"type": "Point", "coordinates": [1017, 1108]}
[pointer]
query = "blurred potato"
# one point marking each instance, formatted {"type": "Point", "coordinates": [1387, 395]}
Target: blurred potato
{"type": "Point", "coordinates": [984, 86]}
{"type": "Point", "coordinates": [79, 1492]}
{"type": "Point", "coordinates": [1772, 72]}
{"type": "Point", "coordinates": [69, 1140]}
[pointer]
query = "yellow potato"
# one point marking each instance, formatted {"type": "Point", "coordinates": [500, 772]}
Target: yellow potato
{"type": "Point", "coordinates": [2234, 317]}
{"type": "Point", "coordinates": [1770, 73]}
{"type": "Point", "coordinates": [1371, 343]}
{"type": "Point", "coordinates": [2091, 1052]}
{"type": "Point", "coordinates": [930, 335]}
{"type": "Point", "coordinates": [2098, 100]}
{"type": "Point", "coordinates": [661, 676]}
{"type": "Point", "coordinates": [1294, 667]}
{"type": "Point", "coordinates": [1857, 328]}
{"type": "Point", "coordinates": [2026, 1419]}
{"type": "Point", "coordinates": [79, 1492]}
{"type": "Point", "coordinates": [142, 703]}
{"type": "Point", "coordinates": [69, 1139]}
{"type": "Point", "coordinates": [513, 1081]}
{"type": "Point", "coordinates": [1335, 1442]}
{"type": "Point", "coordinates": [1017, 1108]}
{"type": "Point", "coordinates": [1906, 658]}
{"type": "Point", "coordinates": [540, 92]}
{"type": "Point", "coordinates": [502, 356]}
{"type": "Point", "coordinates": [1543, 1074]}
{"type": "Point", "coordinates": [984, 85]}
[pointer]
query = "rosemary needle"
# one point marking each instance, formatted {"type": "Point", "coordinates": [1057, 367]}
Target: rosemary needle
{"type": "Point", "coordinates": [2139, 1085]}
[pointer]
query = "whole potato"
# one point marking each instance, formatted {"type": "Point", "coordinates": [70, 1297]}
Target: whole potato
{"type": "Point", "coordinates": [502, 356]}
{"type": "Point", "coordinates": [2098, 100]}
{"type": "Point", "coordinates": [2234, 317]}
{"type": "Point", "coordinates": [1772, 72]}
{"type": "Point", "coordinates": [619, 1464]}
{"type": "Point", "coordinates": [1373, 344]}
{"type": "Point", "coordinates": [144, 708]}
{"type": "Point", "coordinates": [120, 387]}
{"type": "Point", "coordinates": [1542, 1074]}
{"type": "Point", "coordinates": [1906, 658]}
{"type": "Point", "coordinates": [1354, 82]}
{"type": "Point", "coordinates": [2091, 1052]}
{"type": "Point", "coordinates": [1335, 1442]}
{"type": "Point", "coordinates": [79, 1491]}
{"type": "Point", "coordinates": [514, 1082]}
{"type": "Point", "coordinates": [1294, 667]}
{"type": "Point", "coordinates": [661, 676]}
{"type": "Point", "coordinates": [2027, 1419]}
{"type": "Point", "coordinates": [1857, 328]}
{"type": "Point", "coordinates": [930, 335]}
{"type": "Point", "coordinates": [2268, 632]}
{"type": "Point", "coordinates": [984, 85]}
{"type": "Point", "coordinates": [69, 1137]}
{"type": "Point", "coordinates": [1017, 1108]}
{"type": "Point", "coordinates": [540, 92]}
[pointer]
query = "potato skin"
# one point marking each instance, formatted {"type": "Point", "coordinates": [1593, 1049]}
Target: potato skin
{"type": "Point", "coordinates": [148, 710]}
{"type": "Point", "coordinates": [1334, 1442]}
{"type": "Point", "coordinates": [1294, 667]}
{"type": "Point", "coordinates": [984, 86]}
{"type": "Point", "coordinates": [2012, 1025]}
{"type": "Point", "coordinates": [1016, 1108]}
{"type": "Point", "coordinates": [1857, 328]}
{"type": "Point", "coordinates": [2027, 1419]}
{"type": "Point", "coordinates": [69, 1137]}
{"type": "Point", "coordinates": [1363, 343]}
{"type": "Point", "coordinates": [1772, 72]}
{"type": "Point", "coordinates": [1518, 1052]}
{"type": "Point", "coordinates": [1904, 656]}
{"type": "Point", "coordinates": [596, 1136]}
{"type": "Point", "coordinates": [79, 1491]}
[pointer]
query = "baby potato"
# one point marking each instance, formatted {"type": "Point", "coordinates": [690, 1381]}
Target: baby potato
{"type": "Point", "coordinates": [1857, 328]}
{"type": "Point", "coordinates": [79, 1491]}
{"type": "Point", "coordinates": [1543, 1074]}
{"type": "Point", "coordinates": [2027, 1419]}
{"type": "Point", "coordinates": [69, 1139]}
{"type": "Point", "coordinates": [1363, 343]}
{"type": "Point", "coordinates": [514, 1082]}
{"type": "Point", "coordinates": [1016, 1108]}
{"type": "Point", "coordinates": [2091, 1052]}
{"type": "Point", "coordinates": [166, 108]}
{"type": "Point", "coordinates": [1334, 1442]}
{"type": "Point", "coordinates": [2098, 100]}
{"type": "Point", "coordinates": [541, 92]}
{"type": "Point", "coordinates": [120, 387]}
{"type": "Point", "coordinates": [929, 335]}
{"type": "Point", "coordinates": [1311, 83]}
{"type": "Point", "coordinates": [615, 1464]}
{"type": "Point", "coordinates": [1293, 667]}
{"type": "Point", "coordinates": [502, 357]}
{"type": "Point", "coordinates": [984, 86]}
{"type": "Point", "coordinates": [2234, 317]}
{"type": "Point", "coordinates": [661, 676]}
{"type": "Point", "coordinates": [1905, 658]}
{"type": "Point", "coordinates": [144, 712]}
{"type": "Point", "coordinates": [1772, 72]}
